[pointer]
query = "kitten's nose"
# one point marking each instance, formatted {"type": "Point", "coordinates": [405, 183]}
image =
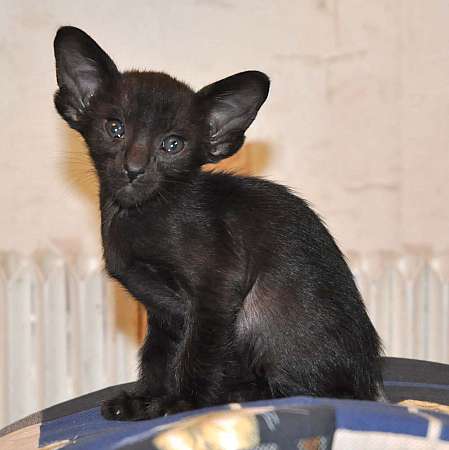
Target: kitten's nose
{"type": "Point", "coordinates": [133, 171]}
{"type": "Point", "coordinates": [136, 159]}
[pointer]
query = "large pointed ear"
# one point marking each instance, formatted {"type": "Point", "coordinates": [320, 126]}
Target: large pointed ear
{"type": "Point", "coordinates": [229, 107]}
{"type": "Point", "coordinates": [82, 69]}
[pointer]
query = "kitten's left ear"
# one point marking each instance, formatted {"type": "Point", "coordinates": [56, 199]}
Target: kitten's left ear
{"type": "Point", "coordinates": [82, 69]}
{"type": "Point", "coordinates": [230, 106]}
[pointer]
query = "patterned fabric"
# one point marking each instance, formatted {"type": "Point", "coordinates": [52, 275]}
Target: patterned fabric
{"type": "Point", "coordinates": [302, 423]}
{"type": "Point", "coordinates": [261, 428]}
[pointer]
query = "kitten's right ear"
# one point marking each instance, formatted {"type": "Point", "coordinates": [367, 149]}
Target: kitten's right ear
{"type": "Point", "coordinates": [82, 69]}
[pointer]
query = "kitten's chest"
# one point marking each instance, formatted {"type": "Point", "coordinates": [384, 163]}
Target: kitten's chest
{"type": "Point", "coordinates": [129, 239]}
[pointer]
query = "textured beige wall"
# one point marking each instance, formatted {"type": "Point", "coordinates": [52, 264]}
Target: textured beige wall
{"type": "Point", "coordinates": [356, 122]}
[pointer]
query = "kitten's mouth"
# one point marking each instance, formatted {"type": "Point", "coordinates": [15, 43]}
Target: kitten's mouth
{"type": "Point", "coordinates": [131, 196]}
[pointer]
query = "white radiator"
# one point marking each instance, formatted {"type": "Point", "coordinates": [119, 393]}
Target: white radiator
{"type": "Point", "coordinates": [66, 330]}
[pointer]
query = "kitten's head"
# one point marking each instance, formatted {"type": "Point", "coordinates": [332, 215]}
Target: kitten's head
{"type": "Point", "coordinates": [144, 129]}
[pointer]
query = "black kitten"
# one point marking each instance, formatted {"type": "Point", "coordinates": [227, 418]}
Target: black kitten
{"type": "Point", "coordinates": [248, 296]}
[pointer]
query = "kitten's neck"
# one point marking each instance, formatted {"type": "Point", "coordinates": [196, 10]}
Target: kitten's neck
{"type": "Point", "coordinates": [165, 197]}
{"type": "Point", "coordinates": [117, 221]}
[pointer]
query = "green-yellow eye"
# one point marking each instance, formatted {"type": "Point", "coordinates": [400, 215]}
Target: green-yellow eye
{"type": "Point", "coordinates": [173, 144]}
{"type": "Point", "coordinates": [115, 128]}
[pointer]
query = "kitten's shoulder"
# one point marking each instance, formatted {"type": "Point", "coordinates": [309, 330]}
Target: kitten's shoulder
{"type": "Point", "coordinates": [236, 181]}
{"type": "Point", "coordinates": [237, 191]}
{"type": "Point", "coordinates": [225, 183]}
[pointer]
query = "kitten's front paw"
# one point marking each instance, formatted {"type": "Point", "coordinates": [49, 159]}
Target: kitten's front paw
{"type": "Point", "coordinates": [126, 407]}
{"type": "Point", "coordinates": [133, 407]}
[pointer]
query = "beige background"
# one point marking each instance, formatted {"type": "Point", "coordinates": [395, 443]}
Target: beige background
{"type": "Point", "coordinates": [356, 122]}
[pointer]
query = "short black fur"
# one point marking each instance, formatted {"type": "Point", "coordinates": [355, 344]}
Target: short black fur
{"type": "Point", "coordinates": [248, 296]}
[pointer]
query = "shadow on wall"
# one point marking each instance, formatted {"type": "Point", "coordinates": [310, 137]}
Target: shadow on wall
{"type": "Point", "coordinates": [251, 159]}
{"type": "Point", "coordinates": [130, 316]}
{"type": "Point", "coordinates": [79, 171]}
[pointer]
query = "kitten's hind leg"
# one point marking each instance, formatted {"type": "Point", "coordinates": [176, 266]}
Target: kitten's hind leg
{"type": "Point", "coordinates": [201, 363]}
{"type": "Point", "coordinates": [250, 393]}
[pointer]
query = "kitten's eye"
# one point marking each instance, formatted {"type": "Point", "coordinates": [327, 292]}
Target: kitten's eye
{"type": "Point", "coordinates": [173, 144]}
{"type": "Point", "coordinates": [115, 128]}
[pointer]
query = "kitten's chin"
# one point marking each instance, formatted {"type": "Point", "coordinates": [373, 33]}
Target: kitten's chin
{"type": "Point", "coordinates": [128, 197]}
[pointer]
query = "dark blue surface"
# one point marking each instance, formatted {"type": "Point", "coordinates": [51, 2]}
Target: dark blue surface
{"type": "Point", "coordinates": [89, 430]}
{"type": "Point", "coordinates": [417, 385]}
